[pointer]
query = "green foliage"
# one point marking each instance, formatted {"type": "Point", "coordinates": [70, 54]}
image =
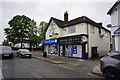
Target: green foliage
{"type": "Point", "coordinates": [43, 26]}
{"type": "Point", "coordinates": [5, 43]}
{"type": "Point", "coordinates": [22, 28]}
{"type": "Point", "coordinates": [7, 33]}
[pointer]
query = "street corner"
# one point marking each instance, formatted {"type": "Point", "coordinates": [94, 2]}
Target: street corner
{"type": "Point", "coordinates": [48, 60]}
{"type": "Point", "coordinates": [58, 62]}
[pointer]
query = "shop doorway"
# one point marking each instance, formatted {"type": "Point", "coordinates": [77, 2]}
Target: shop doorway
{"type": "Point", "coordinates": [77, 51]}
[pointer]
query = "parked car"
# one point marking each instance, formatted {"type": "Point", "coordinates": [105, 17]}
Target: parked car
{"type": "Point", "coordinates": [6, 52]}
{"type": "Point", "coordinates": [23, 53]}
{"type": "Point", "coordinates": [110, 66]}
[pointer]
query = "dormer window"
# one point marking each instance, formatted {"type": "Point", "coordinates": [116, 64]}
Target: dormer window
{"type": "Point", "coordinates": [51, 32]}
{"type": "Point", "coordinates": [101, 32]}
{"type": "Point", "coordinates": [106, 34]}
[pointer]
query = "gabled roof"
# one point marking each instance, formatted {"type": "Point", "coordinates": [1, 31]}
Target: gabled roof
{"type": "Point", "coordinates": [113, 7]}
{"type": "Point", "coordinates": [78, 20]}
{"type": "Point", "coordinates": [60, 23]}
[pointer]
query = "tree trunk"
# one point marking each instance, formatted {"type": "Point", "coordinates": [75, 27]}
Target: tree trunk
{"type": "Point", "coordinates": [21, 44]}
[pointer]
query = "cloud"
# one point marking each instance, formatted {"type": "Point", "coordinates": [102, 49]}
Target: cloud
{"type": "Point", "coordinates": [42, 10]}
{"type": "Point", "coordinates": [58, 0]}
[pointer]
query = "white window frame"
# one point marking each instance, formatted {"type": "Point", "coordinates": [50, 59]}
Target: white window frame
{"type": "Point", "coordinates": [102, 31]}
{"type": "Point", "coordinates": [106, 34]}
{"type": "Point", "coordinates": [92, 29]}
{"type": "Point", "coordinates": [71, 28]}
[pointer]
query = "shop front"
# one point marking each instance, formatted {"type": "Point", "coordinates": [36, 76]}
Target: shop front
{"type": "Point", "coordinates": [51, 46]}
{"type": "Point", "coordinates": [72, 46]}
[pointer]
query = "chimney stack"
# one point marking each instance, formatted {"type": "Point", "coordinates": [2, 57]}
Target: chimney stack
{"type": "Point", "coordinates": [66, 17]}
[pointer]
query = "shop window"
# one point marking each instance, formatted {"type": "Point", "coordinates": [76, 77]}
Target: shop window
{"type": "Point", "coordinates": [71, 30]}
{"type": "Point", "coordinates": [92, 29]}
{"type": "Point", "coordinates": [74, 49]}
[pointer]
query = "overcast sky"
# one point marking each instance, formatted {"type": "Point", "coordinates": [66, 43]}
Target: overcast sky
{"type": "Point", "coordinates": [42, 10]}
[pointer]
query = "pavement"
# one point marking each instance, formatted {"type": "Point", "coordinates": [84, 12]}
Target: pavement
{"type": "Point", "coordinates": [86, 66]}
{"type": "Point", "coordinates": [1, 76]}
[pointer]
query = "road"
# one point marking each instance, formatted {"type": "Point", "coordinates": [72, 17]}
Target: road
{"type": "Point", "coordinates": [35, 68]}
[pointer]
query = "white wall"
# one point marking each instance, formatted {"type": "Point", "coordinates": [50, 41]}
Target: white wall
{"type": "Point", "coordinates": [57, 30]}
{"type": "Point", "coordinates": [114, 18]}
{"type": "Point", "coordinates": [95, 40]}
{"type": "Point", "coordinates": [80, 29]}
{"type": "Point", "coordinates": [119, 14]}
{"type": "Point", "coordinates": [117, 43]}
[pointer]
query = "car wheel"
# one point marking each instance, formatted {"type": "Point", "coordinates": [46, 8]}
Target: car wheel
{"type": "Point", "coordinates": [11, 57]}
{"type": "Point", "coordinates": [30, 56]}
{"type": "Point", "coordinates": [112, 74]}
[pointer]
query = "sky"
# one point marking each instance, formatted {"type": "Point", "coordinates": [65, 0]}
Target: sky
{"type": "Point", "coordinates": [43, 10]}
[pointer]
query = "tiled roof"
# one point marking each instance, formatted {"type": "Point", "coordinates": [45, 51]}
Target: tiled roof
{"type": "Point", "coordinates": [60, 23]}
{"type": "Point", "coordinates": [78, 20]}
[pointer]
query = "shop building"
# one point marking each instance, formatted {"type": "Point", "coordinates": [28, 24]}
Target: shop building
{"type": "Point", "coordinates": [76, 37]}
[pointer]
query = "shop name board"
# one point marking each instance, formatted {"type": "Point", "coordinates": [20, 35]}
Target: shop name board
{"type": "Point", "coordinates": [70, 40]}
{"type": "Point", "coordinates": [51, 41]}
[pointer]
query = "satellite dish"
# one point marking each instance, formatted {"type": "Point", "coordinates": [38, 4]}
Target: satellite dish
{"type": "Point", "coordinates": [109, 25]}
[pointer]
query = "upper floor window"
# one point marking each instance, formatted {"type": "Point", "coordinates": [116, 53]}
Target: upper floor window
{"type": "Point", "coordinates": [92, 29]}
{"type": "Point", "coordinates": [51, 32]}
{"type": "Point", "coordinates": [102, 31]}
{"type": "Point", "coordinates": [106, 33]}
{"type": "Point", "coordinates": [71, 30]}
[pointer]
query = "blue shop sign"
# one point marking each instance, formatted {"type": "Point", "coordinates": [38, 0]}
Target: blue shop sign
{"type": "Point", "coordinates": [51, 41]}
{"type": "Point", "coordinates": [117, 32]}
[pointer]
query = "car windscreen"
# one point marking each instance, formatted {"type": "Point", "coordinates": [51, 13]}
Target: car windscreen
{"type": "Point", "coordinates": [5, 49]}
{"type": "Point", "coordinates": [25, 51]}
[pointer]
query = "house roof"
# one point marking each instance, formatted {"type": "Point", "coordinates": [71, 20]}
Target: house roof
{"type": "Point", "coordinates": [113, 7]}
{"type": "Point", "coordinates": [78, 20]}
{"type": "Point", "coordinates": [60, 23]}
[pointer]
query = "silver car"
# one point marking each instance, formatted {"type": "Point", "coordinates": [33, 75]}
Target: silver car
{"type": "Point", "coordinates": [6, 52]}
{"type": "Point", "coordinates": [23, 53]}
{"type": "Point", "coordinates": [110, 65]}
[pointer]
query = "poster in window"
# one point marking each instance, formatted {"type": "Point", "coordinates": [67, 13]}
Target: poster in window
{"type": "Point", "coordinates": [74, 49]}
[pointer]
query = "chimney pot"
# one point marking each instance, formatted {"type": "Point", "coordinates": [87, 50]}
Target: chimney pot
{"type": "Point", "coordinates": [66, 17]}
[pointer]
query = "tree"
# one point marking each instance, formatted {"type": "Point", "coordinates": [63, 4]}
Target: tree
{"type": "Point", "coordinates": [7, 32]}
{"type": "Point", "coordinates": [43, 26]}
{"type": "Point", "coordinates": [5, 43]}
{"type": "Point", "coordinates": [22, 28]}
